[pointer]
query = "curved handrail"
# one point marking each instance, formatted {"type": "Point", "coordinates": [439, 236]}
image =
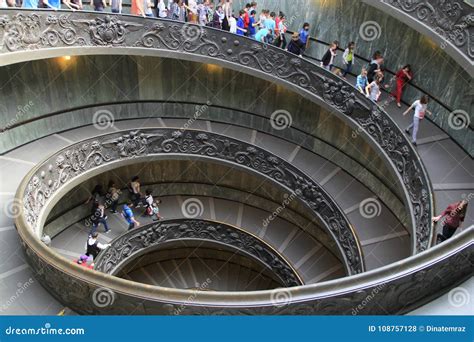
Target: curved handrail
{"type": "Point", "coordinates": [142, 240]}
{"type": "Point", "coordinates": [399, 287]}
{"type": "Point", "coordinates": [31, 35]}
{"type": "Point", "coordinates": [50, 178]}
{"type": "Point", "coordinates": [449, 22]}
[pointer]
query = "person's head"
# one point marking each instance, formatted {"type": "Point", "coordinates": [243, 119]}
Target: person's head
{"type": "Point", "coordinates": [158, 201]}
{"type": "Point", "coordinates": [272, 15]}
{"type": "Point", "coordinates": [135, 179]}
{"type": "Point", "coordinates": [407, 68]}
{"type": "Point", "coordinates": [148, 192]}
{"type": "Point", "coordinates": [247, 6]}
{"type": "Point", "coordinates": [129, 203]}
{"type": "Point", "coordinates": [377, 54]}
{"type": "Point", "coordinates": [306, 26]}
{"type": "Point", "coordinates": [281, 15]}
{"type": "Point", "coordinates": [379, 78]}
{"type": "Point", "coordinates": [253, 4]}
{"type": "Point", "coordinates": [97, 189]}
{"type": "Point", "coordinates": [95, 235]}
{"type": "Point", "coordinates": [462, 207]}
{"type": "Point", "coordinates": [334, 45]}
{"type": "Point", "coordinates": [363, 72]}
{"type": "Point", "coordinates": [295, 36]}
{"type": "Point", "coordinates": [351, 46]}
{"type": "Point", "coordinates": [424, 99]}
{"type": "Point", "coordinates": [241, 13]}
{"type": "Point", "coordinates": [219, 8]}
{"type": "Point", "coordinates": [252, 13]}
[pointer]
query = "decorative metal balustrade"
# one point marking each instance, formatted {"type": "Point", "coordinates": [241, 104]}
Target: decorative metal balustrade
{"type": "Point", "coordinates": [38, 34]}
{"type": "Point", "coordinates": [142, 240]}
{"type": "Point", "coordinates": [53, 175]}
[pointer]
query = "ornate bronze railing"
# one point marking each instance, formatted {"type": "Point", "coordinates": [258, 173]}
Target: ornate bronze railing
{"type": "Point", "coordinates": [68, 166]}
{"type": "Point", "coordinates": [449, 22]}
{"type": "Point", "coordinates": [142, 240]}
{"type": "Point", "coordinates": [28, 35]}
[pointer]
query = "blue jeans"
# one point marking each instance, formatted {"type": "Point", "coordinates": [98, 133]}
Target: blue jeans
{"type": "Point", "coordinates": [415, 125]}
{"type": "Point", "coordinates": [348, 69]}
{"type": "Point", "coordinates": [96, 225]}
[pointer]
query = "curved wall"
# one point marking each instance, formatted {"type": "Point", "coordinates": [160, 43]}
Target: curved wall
{"type": "Point", "coordinates": [435, 71]}
{"type": "Point", "coordinates": [55, 85]}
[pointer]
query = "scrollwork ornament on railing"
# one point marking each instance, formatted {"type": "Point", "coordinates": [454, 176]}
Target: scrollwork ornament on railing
{"type": "Point", "coordinates": [453, 20]}
{"type": "Point", "coordinates": [82, 157]}
{"type": "Point", "coordinates": [148, 237]}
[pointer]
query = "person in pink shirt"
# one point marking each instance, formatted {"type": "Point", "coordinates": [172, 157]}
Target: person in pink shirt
{"type": "Point", "coordinates": [454, 215]}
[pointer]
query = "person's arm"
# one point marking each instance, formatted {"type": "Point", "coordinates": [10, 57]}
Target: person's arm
{"type": "Point", "coordinates": [68, 4]}
{"type": "Point", "coordinates": [140, 8]}
{"type": "Point", "coordinates": [54, 8]}
{"type": "Point", "coordinates": [409, 108]}
{"type": "Point", "coordinates": [344, 56]}
{"type": "Point", "coordinates": [102, 245]}
{"type": "Point", "coordinates": [440, 216]}
{"type": "Point", "coordinates": [367, 89]}
{"type": "Point", "coordinates": [134, 221]}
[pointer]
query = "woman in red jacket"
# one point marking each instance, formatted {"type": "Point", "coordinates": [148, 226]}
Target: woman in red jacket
{"type": "Point", "coordinates": [403, 76]}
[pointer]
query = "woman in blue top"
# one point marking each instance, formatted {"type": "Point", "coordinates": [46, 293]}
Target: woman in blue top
{"type": "Point", "coordinates": [361, 83]}
{"type": "Point", "coordinates": [55, 4]}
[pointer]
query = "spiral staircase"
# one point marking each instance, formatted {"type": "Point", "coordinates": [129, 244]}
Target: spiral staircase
{"type": "Point", "coordinates": [283, 219]}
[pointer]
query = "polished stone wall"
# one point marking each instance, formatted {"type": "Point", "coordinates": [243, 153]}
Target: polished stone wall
{"type": "Point", "coordinates": [435, 71]}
